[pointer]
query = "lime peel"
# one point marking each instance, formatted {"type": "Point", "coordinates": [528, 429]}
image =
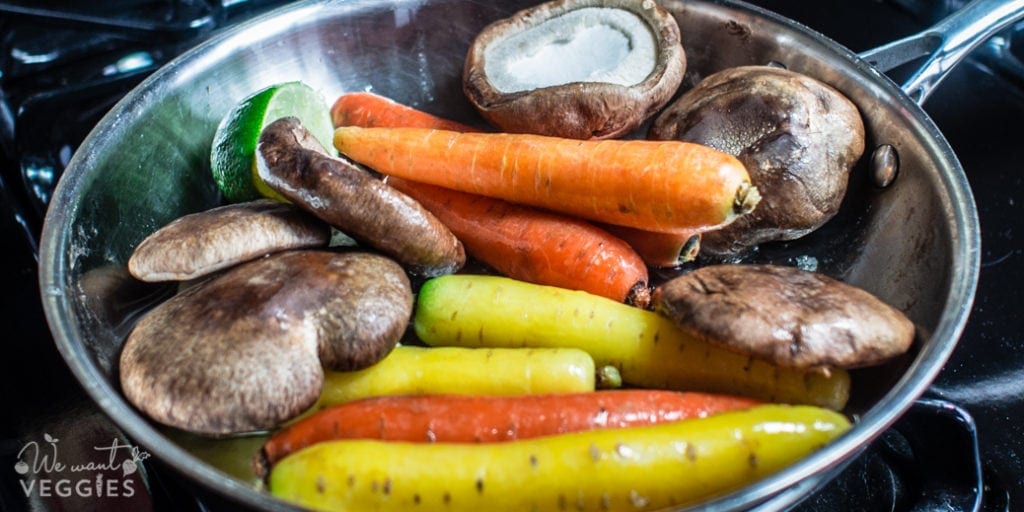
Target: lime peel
{"type": "Point", "coordinates": [233, 153]}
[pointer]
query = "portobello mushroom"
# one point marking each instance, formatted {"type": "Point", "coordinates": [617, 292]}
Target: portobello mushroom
{"type": "Point", "coordinates": [786, 315]}
{"type": "Point", "coordinates": [582, 69]}
{"type": "Point", "coordinates": [245, 351]}
{"type": "Point", "coordinates": [798, 137]}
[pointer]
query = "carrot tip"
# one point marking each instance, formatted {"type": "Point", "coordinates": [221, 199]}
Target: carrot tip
{"type": "Point", "coordinates": [608, 377]}
{"type": "Point", "coordinates": [639, 295]}
{"type": "Point", "coordinates": [690, 249]}
{"type": "Point", "coordinates": [261, 464]}
{"type": "Point", "coordinates": [746, 199]}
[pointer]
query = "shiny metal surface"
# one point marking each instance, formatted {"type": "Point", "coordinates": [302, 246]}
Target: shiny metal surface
{"type": "Point", "coordinates": [945, 44]}
{"type": "Point", "coordinates": [915, 243]}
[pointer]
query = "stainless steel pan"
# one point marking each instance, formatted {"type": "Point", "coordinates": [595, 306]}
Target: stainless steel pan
{"type": "Point", "coordinates": [915, 243]}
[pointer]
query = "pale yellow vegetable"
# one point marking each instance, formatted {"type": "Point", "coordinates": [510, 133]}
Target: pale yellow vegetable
{"type": "Point", "coordinates": [455, 370]}
{"type": "Point", "coordinates": [648, 350]}
{"type": "Point", "coordinates": [231, 455]}
{"type": "Point", "coordinates": [639, 468]}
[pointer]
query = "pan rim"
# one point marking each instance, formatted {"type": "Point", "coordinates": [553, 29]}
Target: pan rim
{"type": "Point", "coordinates": [60, 314]}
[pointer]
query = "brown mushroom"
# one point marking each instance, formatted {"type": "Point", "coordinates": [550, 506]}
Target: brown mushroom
{"type": "Point", "coordinates": [292, 162]}
{"type": "Point", "coordinates": [245, 351]}
{"type": "Point", "coordinates": [581, 69]}
{"type": "Point", "coordinates": [789, 316]}
{"type": "Point", "coordinates": [798, 138]}
{"type": "Point", "coordinates": [201, 243]}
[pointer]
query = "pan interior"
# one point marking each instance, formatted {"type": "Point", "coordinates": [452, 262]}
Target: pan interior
{"type": "Point", "coordinates": [913, 244]}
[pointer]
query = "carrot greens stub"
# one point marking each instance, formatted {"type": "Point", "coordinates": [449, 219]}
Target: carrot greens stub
{"type": "Point", "coordinates": [666, 186]}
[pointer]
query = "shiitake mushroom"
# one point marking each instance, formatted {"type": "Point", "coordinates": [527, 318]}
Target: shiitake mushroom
{"type": "Point", "coordinates": [792, 317]}
{"type": "Point", "coordinates": [201, 243]}
{"type": "Point", "coordinates": [294, 164]}
{"type": "Point", "coordinates": [798, 137]}
{"type": "Point", "coordinates": [246, 350]}
{"type": "Point", "coordinates": [582, 69]}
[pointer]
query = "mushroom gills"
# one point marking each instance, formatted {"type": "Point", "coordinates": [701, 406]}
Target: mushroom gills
{"type": "Point", "coordinates": [579, 69]}
{"type": "Point", "coordinates": [594, 44]}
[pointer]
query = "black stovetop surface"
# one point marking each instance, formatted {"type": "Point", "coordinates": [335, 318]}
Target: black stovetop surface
{"type": "Point", "coordinates": [923, 463]}
{"type": "Point", "coordinates": [979, 109]}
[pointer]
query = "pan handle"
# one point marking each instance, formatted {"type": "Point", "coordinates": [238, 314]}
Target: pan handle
{"type": "Point", "coordinates": [945, 44]}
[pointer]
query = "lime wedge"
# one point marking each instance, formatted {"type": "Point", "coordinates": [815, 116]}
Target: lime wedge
{"type": "Point", "coordinates": [233, 155]}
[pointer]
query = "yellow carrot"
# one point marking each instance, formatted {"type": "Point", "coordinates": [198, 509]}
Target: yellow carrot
{"type": "Point", "coordinates": [631, 469]}
{"type": "Point", "coordinates": [454, 370]}
{"type": "Point", "coordinates": [647, 348]}
{"type": "Point", "coordinates": [666, 186]}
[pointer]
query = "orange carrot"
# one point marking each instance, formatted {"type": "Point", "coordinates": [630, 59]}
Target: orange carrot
{"type": "Point", "coordinates": [517, 241]}
{"type": "Point", "coordinates": [537, 246]}
{"type": "Point", "coordinates": [665, 186]}
{"type": "Point", "coordinates": [658, 249]}
{"type": "Point", "coordinates": [368, 110]}
{"type": "Point", "coordinates": [486, 419]}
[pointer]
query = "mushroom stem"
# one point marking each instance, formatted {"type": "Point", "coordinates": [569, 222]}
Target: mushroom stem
{"type": "Point", "coordinates": [352, 200]}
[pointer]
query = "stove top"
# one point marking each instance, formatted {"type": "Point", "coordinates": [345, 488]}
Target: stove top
{"type": "Point", "coordinates": [63, 67]}
{"type": "Point", "coordinates": [978, 108]}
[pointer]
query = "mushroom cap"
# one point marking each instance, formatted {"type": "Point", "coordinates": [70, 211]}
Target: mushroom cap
{"type": "Point", "coordinates": [786, 315]}
{"type": "Point", "coordinates": [202, 243]}
{"type": "Point", "coordinates": [245, 351]}
{"type": "Point", "coordinates": [510, 69]}
{"type": "Point", "coordinates": [798, 138]}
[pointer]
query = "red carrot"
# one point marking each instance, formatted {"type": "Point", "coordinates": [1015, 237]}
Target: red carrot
{"type": "Point", "coordinates": [537, 246]}
{"type": "Point", "coordinates": [517, 241]}
{"type": "Point", "coordinates": [485, 419]}
{"type": "Point", "coordinates": [665, 186]}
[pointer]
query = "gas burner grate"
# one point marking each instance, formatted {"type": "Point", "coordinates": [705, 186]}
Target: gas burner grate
{"type": "Point", "coordinates": [63, 64]}
{"type": "Point", "coordinates": [171, 19]}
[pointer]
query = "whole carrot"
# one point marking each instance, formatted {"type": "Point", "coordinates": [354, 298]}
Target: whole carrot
{"type": "Point", "coordinates": [666, 186]}
{"type": "Point", "coordinates": [518, 241]}
{"type": "Point", "coordinates": [486, 419]}
{"type": "Point", "coordinates": [370, 110]}
{"type": "Point", "coordinates": [649, 350]}
{"type": "Point", "coordinates": [413, 370]}
{"type": "Point", "coordinates": [536, 246]}
{"type": "Point", "coordinates": [654, 467]}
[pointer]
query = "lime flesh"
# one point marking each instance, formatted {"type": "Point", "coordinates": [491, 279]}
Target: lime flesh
{"type": "Point", "coordinates": [233, 155]}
